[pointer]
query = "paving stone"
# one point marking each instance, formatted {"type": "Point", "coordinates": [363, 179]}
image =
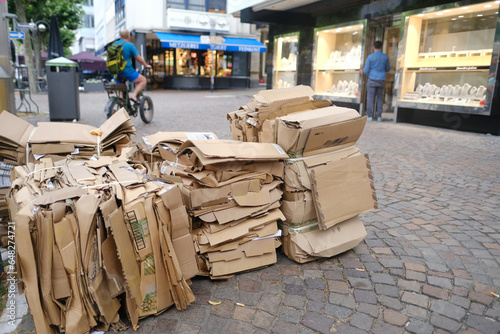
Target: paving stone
{"type": "Point", "coordinates": [384, 328]}
{"type": "Point", "coordinates": [395, 318]}
{"type": "Point", "coordinates": [370, 309]}
{"type": "Point", "coordinates": [415, 276]}
{"type": "Point", "coordinates": [317, 322]}
{"type": "Point", "coordinates": [363, 296]}
{"type": "Point", "coordinates": [356, 273]}
{"type": "Point", "coordinates": [195, 314]}
{"type": "Point", "coordinates": [244, 314]}
{"type": "Point", "coordinates": [294, 301]}
{"type": "Point", "coordinates": [238, 327]}
{"type": "Point", "coordinates": [189, 329]}
{"type": "Point", "coordinates": [476, 308]}
{"type": "Point", "coordinates": [460, 301]}
{"type": "Point", "coordinates": [445, 323]}
{"type": "Point", "coordinates": [248, 285]}
{"type": "Point", "coordinates": [414, 266]}
{"type": "Point", "coordinates": [283, 327]}
{"type": "Point", "coordinates": [292, 270]}
{"type": "Point", "coordinates": [294, 289]}
{"type": "Point", "coordinates": [386, 290]}
{"type": "Point", "coordinates": [419, 327]}
{"type": "Point", "coordinates": [435, 292]}
{"type": "Point", "coordinates": [390, 302]}
{"type": "Point", "coordinates": [444, 283]}
{"type": "Point", "coordinates": [166, 325]}
{"type": "Point", "coordinates": [360, 283]}
{"type": "Point", "coordinates": [382, 278]}
{"type": "Point", "coordinates": [391, 263]}
{"type": "Point", "coordinates": [314, 306]}
{"type": "Point", "coordinates": [348, 329]}
{"type": "Point", "coordinates": [315, 283]}
{"type": "Point", "coordinates": [361, 320]}
{"type": "Point", "coordinates": [269, 303]}
{"type": "Point", "coordinates": [409, 285]}
{"type": "Point", "coordinates": [224, 309]}
{"type": "Point", "coordinates": [338, 312]}
{"type": "Point", "coordinates": [335, 275]}
{"type": "Point", "coordinates": [263, 319]}
{"type": "Point", "coordinates": [417, 312]}
{"type": "Point", "coordinates": [448, 309]}
{"type": "Point", "coordinates": [316, 295]}
{"type": "Point", "coordinates": [415, 299]}
{"type": "Point", "coordinates": [289, 315]}
{"type": "Point", "coordinates": [338, 287]}
{"type": "Point", "coordinates": [481, 298]}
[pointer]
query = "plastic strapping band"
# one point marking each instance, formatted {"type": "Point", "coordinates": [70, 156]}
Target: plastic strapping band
{"type": "Point", "coordinates": [298, 229]}
{"type": "Point", "coordinates": [98, 146]}
{"type": "Point", "coordinates": [41, 170]}
{"type": "Point", "coordinates": [318, 155]}
{"type": "Point", "coordinates": [110, 184]}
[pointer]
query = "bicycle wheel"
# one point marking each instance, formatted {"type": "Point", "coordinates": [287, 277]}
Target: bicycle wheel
{"type": "Point", "coordinates": [146, 109]}
{"type": "Point", "coordinates": [112, 106]}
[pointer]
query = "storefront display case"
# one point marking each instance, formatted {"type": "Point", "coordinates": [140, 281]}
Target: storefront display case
{"type": "Point", "coordinates": [446, 59]}
{"type": "Point", "coordinates": [285, 60]}
{"type": "Point", "coordinates": [339, 52]}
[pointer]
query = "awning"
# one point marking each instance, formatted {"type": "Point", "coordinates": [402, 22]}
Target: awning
{"type": "Point", "coordinates": [184, 41]}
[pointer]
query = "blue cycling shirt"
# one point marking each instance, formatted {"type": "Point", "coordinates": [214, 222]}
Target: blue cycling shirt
{"type": "Point", "coordinates": [129, 52]}
{"type": "Point", "coordinates": [376, 65]}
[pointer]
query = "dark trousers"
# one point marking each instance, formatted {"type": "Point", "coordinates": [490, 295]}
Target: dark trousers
{"type": "Point", "coordinates": [375, 88]}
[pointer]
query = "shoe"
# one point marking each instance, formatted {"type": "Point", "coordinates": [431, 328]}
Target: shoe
{"type": "Point", "coordinates": [369, 119]}
{"type": "Point", "coordinates": [379, 119]}
{"type": "Point", "coordinates": [133, 100]}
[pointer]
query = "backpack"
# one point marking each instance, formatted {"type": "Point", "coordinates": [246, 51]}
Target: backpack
{"type": "Point", "coordinates": [115, 62]}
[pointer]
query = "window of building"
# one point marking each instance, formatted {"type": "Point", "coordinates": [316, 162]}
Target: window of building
{"type": "Point", "coordinates": [198, 5]}
{"type": "Point", "coordinates": [177, 4]}
{"type": "Point", "coordinates": [217, 6]}
{"type": "Point", "coordinates": [90, 3]}
{"type": "Point", "coordinates": [88, 21]}
{"type": "Point", "coordinates": [119, 10]}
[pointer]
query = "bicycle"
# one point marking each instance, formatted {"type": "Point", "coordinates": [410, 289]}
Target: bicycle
{"type": "Point", "coordinates": [115, 91]}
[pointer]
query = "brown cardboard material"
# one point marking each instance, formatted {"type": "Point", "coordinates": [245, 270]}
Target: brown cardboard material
{"type": "Point", "coordinates": [209, 152]}
{"type": "Point", "coordinates": [342, 188]}
{"type": "Point", "coordinates": [251, 255]}
{"type": "Point", "coordinates": [319, 131]}
{"type": "Point", "coordinates": [309, 243]}
{"type": "Point", "coordinates": [301, 211]}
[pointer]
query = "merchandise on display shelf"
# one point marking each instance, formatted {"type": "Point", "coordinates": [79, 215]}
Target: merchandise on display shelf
{"type": "Point", "coordinates": [447, 59]}
{"type": "Point", "coordinates": [339, 55]}
{"type": "Point", "coordinates": [285, 60]}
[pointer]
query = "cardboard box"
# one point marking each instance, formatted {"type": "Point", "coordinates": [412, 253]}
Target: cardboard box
{"type": "Point", "coordinates": [341, 183]}
{"type": "Point", "coordinates": [319, 131]}
{"type": "Point", "coordinates": [308, 243]}
{"type": "Point", "coordinates": [300, 209]}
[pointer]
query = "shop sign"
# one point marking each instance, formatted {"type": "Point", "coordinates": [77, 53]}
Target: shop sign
{"type": "Point", "coordinates": [194, 20]}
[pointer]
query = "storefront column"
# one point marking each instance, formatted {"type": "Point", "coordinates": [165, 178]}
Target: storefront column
{"type": "Point", "coordinates": [140, 44]}
{"type": "Point", "coordinates": [305, 58]}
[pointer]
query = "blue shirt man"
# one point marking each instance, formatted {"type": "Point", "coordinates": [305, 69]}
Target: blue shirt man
{"type": "Point", "coordinates": [376, 66]}
{"type": "Point", "coordinates": [129, 73]}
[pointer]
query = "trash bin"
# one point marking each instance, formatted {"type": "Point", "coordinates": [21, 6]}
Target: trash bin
{"type": "Point", "coordinates": [62, 82]}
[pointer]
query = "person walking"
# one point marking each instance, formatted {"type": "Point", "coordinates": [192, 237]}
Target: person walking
{"type": "Point", "coordinates": [377, 64]}
{"type": "Point", "coordinates": [129, 73]}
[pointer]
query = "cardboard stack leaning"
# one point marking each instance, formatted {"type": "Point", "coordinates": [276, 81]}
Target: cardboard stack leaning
{"type": "Point", "coordinates": [232, 193]}
{"type": "Point", "coordinates": [98, 238]}
{"type": "Point", "coordinates": [327, 181]}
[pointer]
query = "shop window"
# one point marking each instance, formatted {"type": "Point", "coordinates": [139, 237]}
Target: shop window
{"type": "Point", "coordinates": [240, 64]}
{"type": "Point", "coordinates": [198, 5]}
{"type": "Point", "coordinates": [446, 58]}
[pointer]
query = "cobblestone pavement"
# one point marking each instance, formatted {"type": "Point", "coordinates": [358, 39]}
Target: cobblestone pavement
{"type": "Point", "coordinates": [430, 262]}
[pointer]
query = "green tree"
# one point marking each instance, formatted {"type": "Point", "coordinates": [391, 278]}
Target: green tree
{"type": "Point", "coordinates": [69, 15]}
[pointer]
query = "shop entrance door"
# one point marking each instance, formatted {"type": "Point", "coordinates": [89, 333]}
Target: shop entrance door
{"type": "Point", "coordinates": [387, 30]}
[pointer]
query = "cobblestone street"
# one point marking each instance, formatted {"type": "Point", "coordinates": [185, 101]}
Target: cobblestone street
{"type": "Point", "coordinates": [429, 264]}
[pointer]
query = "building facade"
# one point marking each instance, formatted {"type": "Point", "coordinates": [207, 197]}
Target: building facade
{"type": "Point", "coordinates": [443, 55]}
{"type": "Point", "coordinates": [84, 36]}
{"type": "Point", "coordinates": [190, 44]}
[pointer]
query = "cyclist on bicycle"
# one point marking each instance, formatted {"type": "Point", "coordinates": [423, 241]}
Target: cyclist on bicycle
{"type": "Point", "coordinates": [129, 73]}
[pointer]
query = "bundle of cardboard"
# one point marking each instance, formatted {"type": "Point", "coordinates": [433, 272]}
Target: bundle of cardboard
{"type": "Point", "coordinates": [232, 193]}
{"type": "Point", "coordinates": [97, 237]}
{"type": "Point", "coordinates": [21, 142]}
{"type": "Point", "coordinates": [4, 210]}
{"type": "Point", "coordinates": [327, 181]}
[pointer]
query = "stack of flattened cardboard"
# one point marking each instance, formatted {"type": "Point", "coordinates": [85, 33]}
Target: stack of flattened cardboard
{"type": "Point", "coordinates": [96, 237]}
{"type": "Point", "coordinates": [232, 192]}
{"type": "Point", "coordinates": [4, 210]}
{"type": "Point", "coordinates": [328, 182]}
{"type": "Point", "coordinates": [20, 140]}
{"type": "Point", "coordinates": [14, 135]}
{"type": "Point", "coordinates": [164, 146]}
